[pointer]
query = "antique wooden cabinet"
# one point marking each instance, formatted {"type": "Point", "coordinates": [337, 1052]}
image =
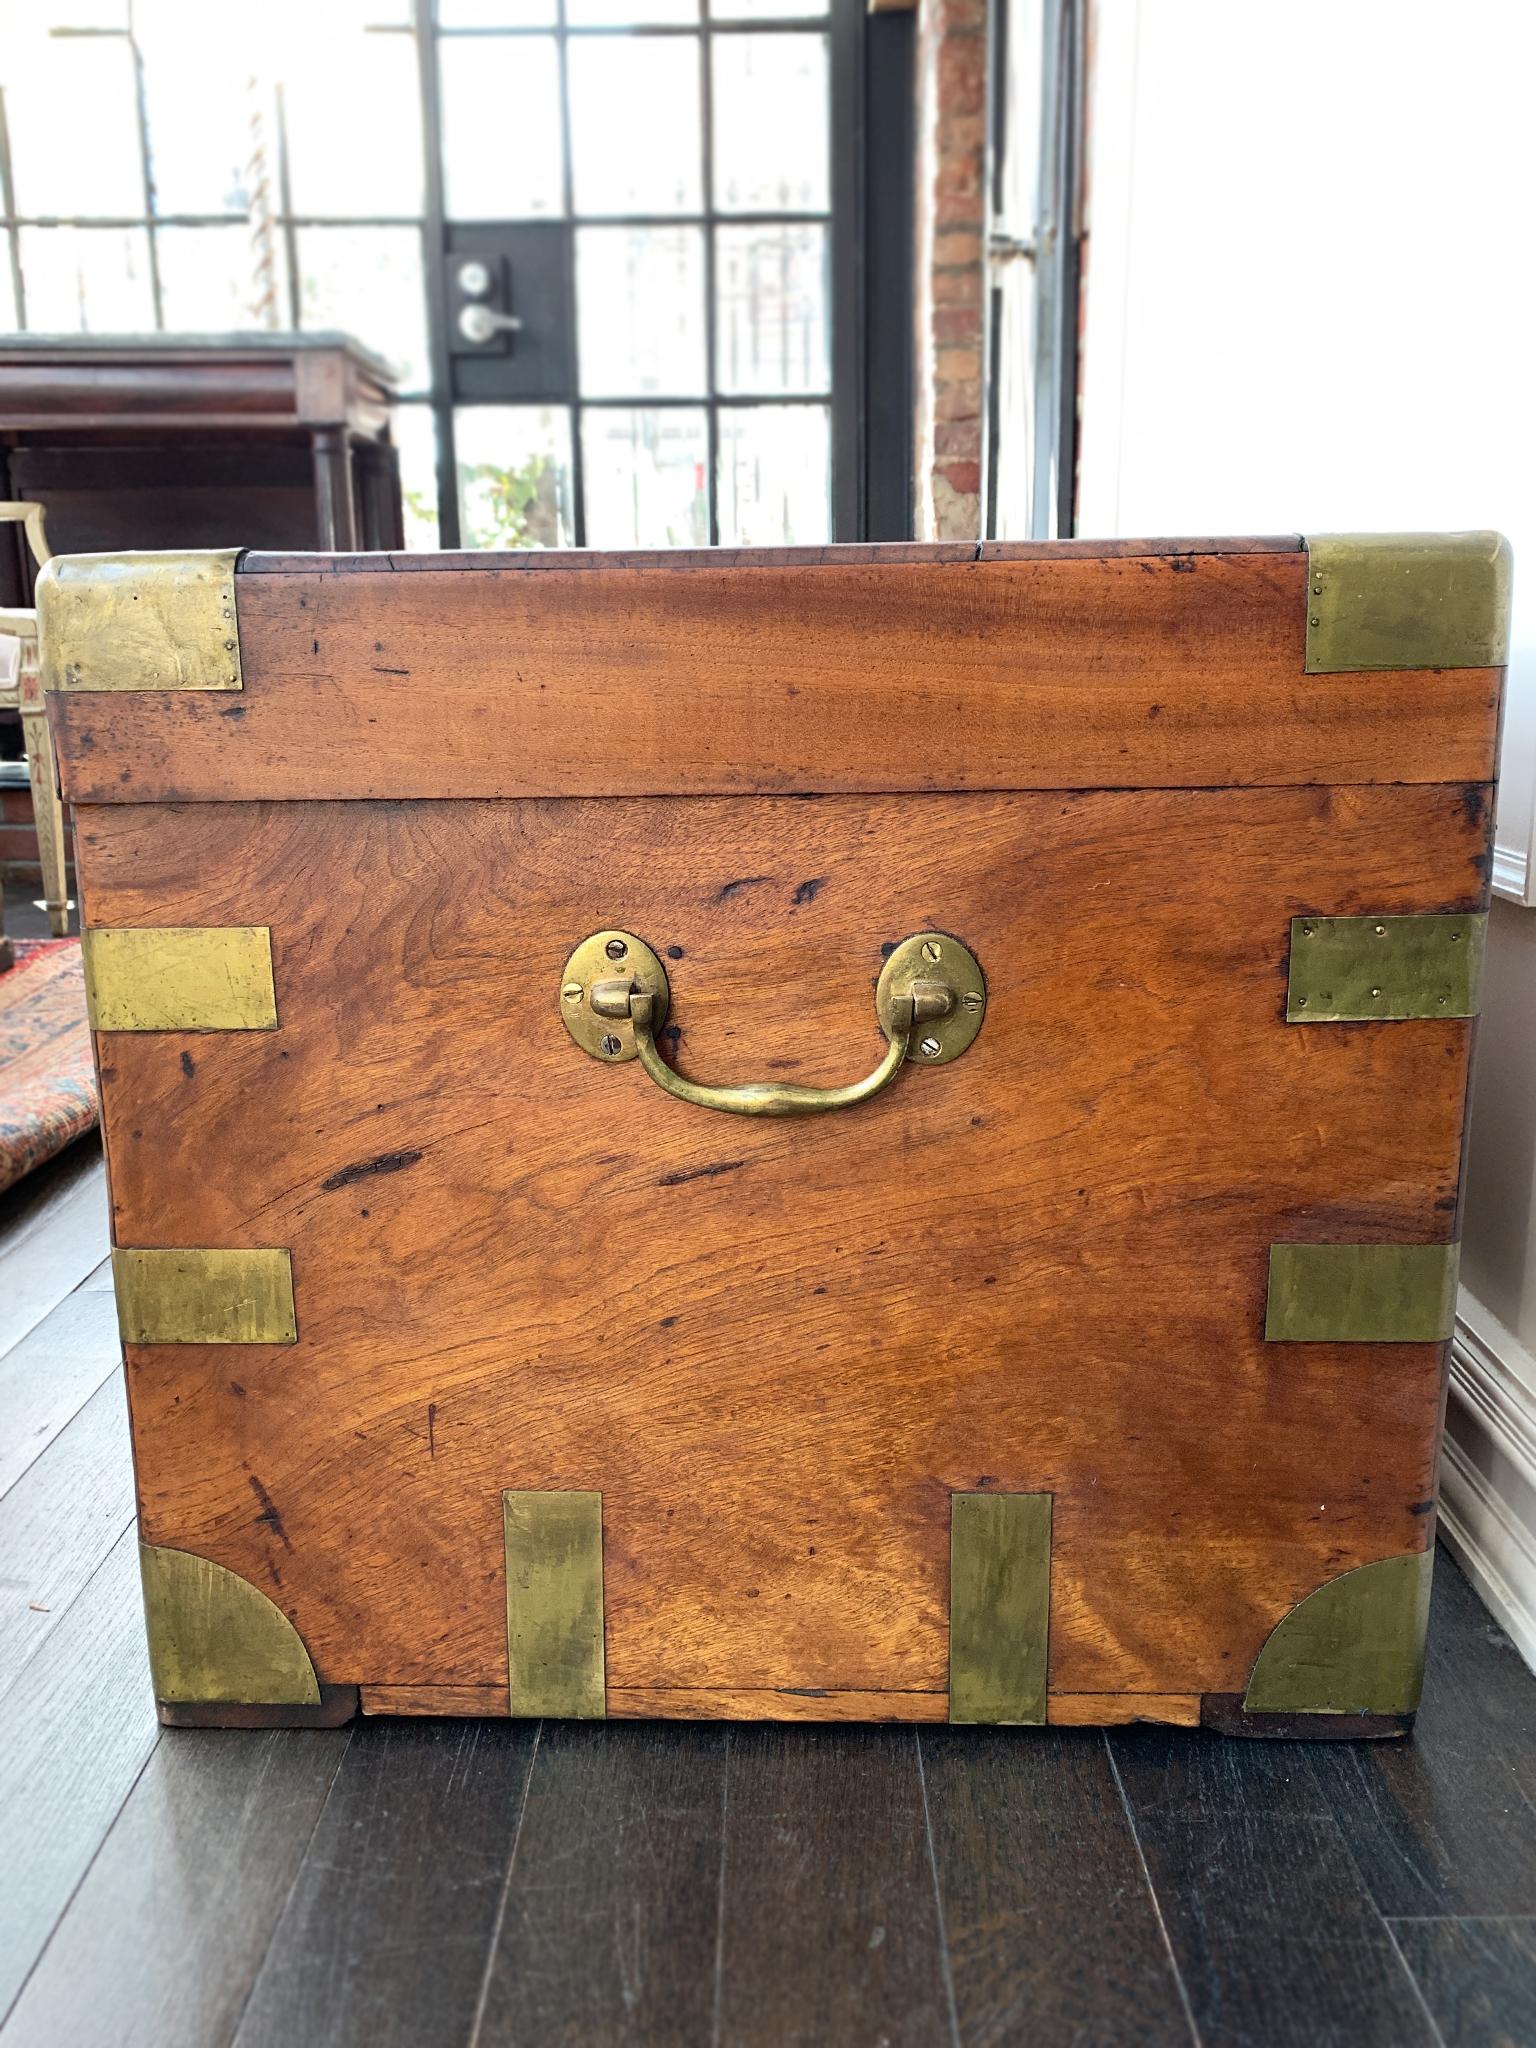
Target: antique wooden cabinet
{"type": "Point", "coordinates": [1079, 1357]}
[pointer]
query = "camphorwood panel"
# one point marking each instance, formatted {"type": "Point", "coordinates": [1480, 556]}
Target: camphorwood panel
{"type": "Point", "coordinates": [776, 1348]}
{"type": "Point", "coordinates": [686, 677]}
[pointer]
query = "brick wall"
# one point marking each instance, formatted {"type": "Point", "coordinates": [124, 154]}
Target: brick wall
{"type": "Point", "coordinates": [18, 841]}
{"type": "Point", "coordinates": [951, 85]}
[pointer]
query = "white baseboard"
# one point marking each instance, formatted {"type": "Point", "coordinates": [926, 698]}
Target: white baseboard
{"type": "Point", "coordinates": [1512, 876]}
{"type": "Point", "coordinates": [1488, 1474]}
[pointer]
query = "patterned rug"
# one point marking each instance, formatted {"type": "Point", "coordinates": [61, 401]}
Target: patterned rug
{"type": "Point", "coordinates": [47, 1081]}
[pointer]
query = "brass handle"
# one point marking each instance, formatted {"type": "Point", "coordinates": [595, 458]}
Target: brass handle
{"type": "Point", "coordinates": [930, 1000]}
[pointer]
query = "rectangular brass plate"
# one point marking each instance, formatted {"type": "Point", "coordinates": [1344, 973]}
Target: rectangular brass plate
{"type": "Point", "coordinates": [1345, 969]}
{"type": "Point", "coordinates": [554, 1551]}
{"type": "Point", "coordinates": [1407, 600]}
{"type": "Point", "coordinates": [1361, 1293]}
{"type": "Point", "coordinates": [999, 1606]}
{"type": "Point", "coordinates": [140, 622]}
{"type": "Point", "coordinates": [180, 978]}
{"type": "Point", "coordinates": [204, 1297]}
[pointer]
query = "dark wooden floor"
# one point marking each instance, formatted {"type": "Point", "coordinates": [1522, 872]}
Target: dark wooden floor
{"type": "Point", "coordinates": [439, 1882]}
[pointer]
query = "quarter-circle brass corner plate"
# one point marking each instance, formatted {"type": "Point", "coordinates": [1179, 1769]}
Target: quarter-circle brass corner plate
{"type": "Point", "coordinates": [610, 958]}
{"type": "Point", "coordinates": [935, 957]}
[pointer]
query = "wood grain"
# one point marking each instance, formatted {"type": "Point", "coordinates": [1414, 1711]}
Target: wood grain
{"type": "Point", "coordinates": [408, 1865]}
{"type": "Point", "coordinates": [168, 1929]}
{"type": "Point", "coordinates": [610, 1928]}
{"type": "Point", "coordinates": [1064, 671]}
{"type": "Point", "coordinates": [1051, 1932]}
{"type": "Point", "coordinates": [1039, 1269]}
{"type": "Point", "coordinates": [48, 1377]}
{"type": "Point", "coordinates": [1117, 1709]}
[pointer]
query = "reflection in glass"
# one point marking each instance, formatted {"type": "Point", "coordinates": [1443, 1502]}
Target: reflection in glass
{"type": "Point", "coordinates": [415, 435]}
{"type": "Point", "coordinates": [766, 10]}
{"type": "Point", "coordinates": [501, 127]}
{"type": "Point", "coordinates": [368, 281]}
{"type": "Point", "coordinates": [71, 106]}
{"type": "Point", "coordinates": [352, 110]}
{"type": "Point", "coordinates": [771, 308]}
{"type": "Point", "coordinates": [775, 469]}
{"type": "Point", "coordinates": [87, 280]}
{"type": "Point", "coordinates": [646, 475]}
{"type": "Point", "coordinates": [199, 99]}
{"type": "Point", "coordinates": [617, 13]}
{"type": "Point", "coordinates": [770, 109]}
{"type": "Point", "coordinates": [496, 13]}
{"type": "Point", "coordinates": [514, 465]}
{"type": "Point", "coordinates": [208, 279]}
{"type": "Point", "coordinates": [640, 311]}
{"type": "Point", "coordinates": [635, 124]}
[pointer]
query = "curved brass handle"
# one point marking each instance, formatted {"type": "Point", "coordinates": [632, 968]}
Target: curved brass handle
{"type": "Point", "coordinates": [769, 1098]}
{"type": "Point", "coordinates": [930, 1000]}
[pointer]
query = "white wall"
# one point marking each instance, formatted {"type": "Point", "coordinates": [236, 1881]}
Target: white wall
{"type": "Point", "coordinates": [1311, 303]}
{"type": "Point", "coordinates": [1311, 286]}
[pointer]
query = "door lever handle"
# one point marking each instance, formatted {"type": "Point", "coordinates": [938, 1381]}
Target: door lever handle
{"type": "Point", "coordinates": [481, 324]}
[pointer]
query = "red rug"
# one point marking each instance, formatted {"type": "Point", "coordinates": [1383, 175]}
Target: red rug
{"type": "Point", "coordinates": [47, 1081]}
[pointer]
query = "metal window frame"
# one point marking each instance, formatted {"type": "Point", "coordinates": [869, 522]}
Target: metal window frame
{"type": "Point", "coordinates": [868, 253]}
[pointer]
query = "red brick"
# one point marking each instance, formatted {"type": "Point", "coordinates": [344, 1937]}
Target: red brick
{"type": "Point", "coordinates": [963, 477]}
{"type": "Point", "coordinates": [957, 401]}
{"type": "Point", "coordinates": [15, 806]}
{"type": "Point", "coordinates": [957, 438]}
{"type": "Point", "coordinates": [957, 249]}
{"type": "Point", "coordinates": [953, 324]}
{"type": "Point", "coordinates": [961, 134]}
{"type": "Point", "coordinates": [962, 80]}
{"type": "Point", "coordinates": [955, 210]}
{"type": "Point", "coordinates": [958, 365]}
{"type": "Point", "coordinates": [957, 287]}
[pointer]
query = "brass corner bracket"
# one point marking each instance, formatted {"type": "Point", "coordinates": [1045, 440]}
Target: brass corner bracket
{"type": "Point", "coordinates": [555, 1613]}
{"type": "Point", "coordinates": [179, 978]}
{"type": "Point", "coordinates": [1361, 1293]}
{"type": "Point", "coordinates": [1407, 600]}
{"type": "Point", "coordinates": [1353, 970]}
{"type": "Point", "coordinates": [140, 622]}
{"type": "Point", "coordinates": [1355, 1646]}
{"type": "Point", "coordinates": [999, 1607]}
{"type": "Point", "coordinates": [215, 1639]}
{"type": "Point", "coordinates": [195, 1296]}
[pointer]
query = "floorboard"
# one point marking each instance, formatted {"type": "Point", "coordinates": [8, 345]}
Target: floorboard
{"type": "Point", "coordinates": [53, 1234]}
{"type": "Point", "coordinates": [1446, 1823]}
{"type": "Point", "coordinates": [829, 1928]}
{"type": "Point", "coordinates": [58, 1523]}
{"type": "Point", "coordinates": [1052, 1930]}
{"type": "Point", "coordinates": [75, 1731]}
{"type": "Point", "coordinates": [167, 1931]}
{"type": "Point", "coordinates": [1276, 1938]}
{"type": "Point", "coordinates": [384, 1940]}
{"type": "Point", "coordinates": [1478, 1978]}
{"type": "Point", "coordinates": [612, 1913]}
{"type": "Point", "coordinates": [47, 1378]}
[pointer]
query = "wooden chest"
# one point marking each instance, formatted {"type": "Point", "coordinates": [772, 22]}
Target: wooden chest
{"type": "Point", "coordinates": [1079, 1359]}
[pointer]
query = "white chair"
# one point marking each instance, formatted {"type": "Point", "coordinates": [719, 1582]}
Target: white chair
{"type": "Point", "coordinates": [25, 694]}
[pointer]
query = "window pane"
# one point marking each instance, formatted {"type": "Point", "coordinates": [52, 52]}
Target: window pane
{"type": "Point", "coordinates": [615, 13]}
{"type": "Point", "coordinates": [199, 100]}
{"type": "Point", "coordinates": [775, 475]}
{"type": "Point", "coordinates": [766, 10]}
{"type": "Point", "coordinates": [72, 108]}
{"type": "Point", "coordinates": [771, 295]}
{"type": "Point", "coordinates": [415, 435]}
{"type": "Point", "coordinates": [635, 124]}
{"type": "Point", "coordinates": [771, 124]}
{"type": "Point", "coordinates": [646, 477]}
{"type": "Point", "coordinates": [640, 311]}
{"type": "Point", "coordinates": [209, 282]}
{"type": "Point", "coordinates": [87, 280]}
{"type": "Point", "coordinates": [501, 127]}
{"type": "Point", "coordinates": [352, 114]}
{"type": "Point", "coordinates": [495, 13]}
{"type": "Point", "coordinates": [514, 475]}
{"type": "Point", "coordinates": [367, 281]}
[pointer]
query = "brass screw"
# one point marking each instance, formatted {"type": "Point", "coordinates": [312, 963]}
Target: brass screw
{"type": "Point", "coordinates": [573, 992]}
{"type": "Point", "coordinates": [932, 950]}
{"type": "Point", "coordinates": [610, 1044]}
{"type": "Point", "coordinates": [970, 1000]}
{"type": "Point", "coordinates": [1301, 1002]}
{"type": "Point", "coordinates": [1441, 1000]}
{"type": "Point", "coordinates": [615, 949]}
{"type": "Point", "coordinates": [1375, 994]}
{"type": "Point", "coordinates": [1381, 931]}
{"type": "Point", "coordinates": [1316, 621]}
{"type": "Point", "coordinates": [1307, 930]}
{"type": "Point", "coordinates": [930, 1048]}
